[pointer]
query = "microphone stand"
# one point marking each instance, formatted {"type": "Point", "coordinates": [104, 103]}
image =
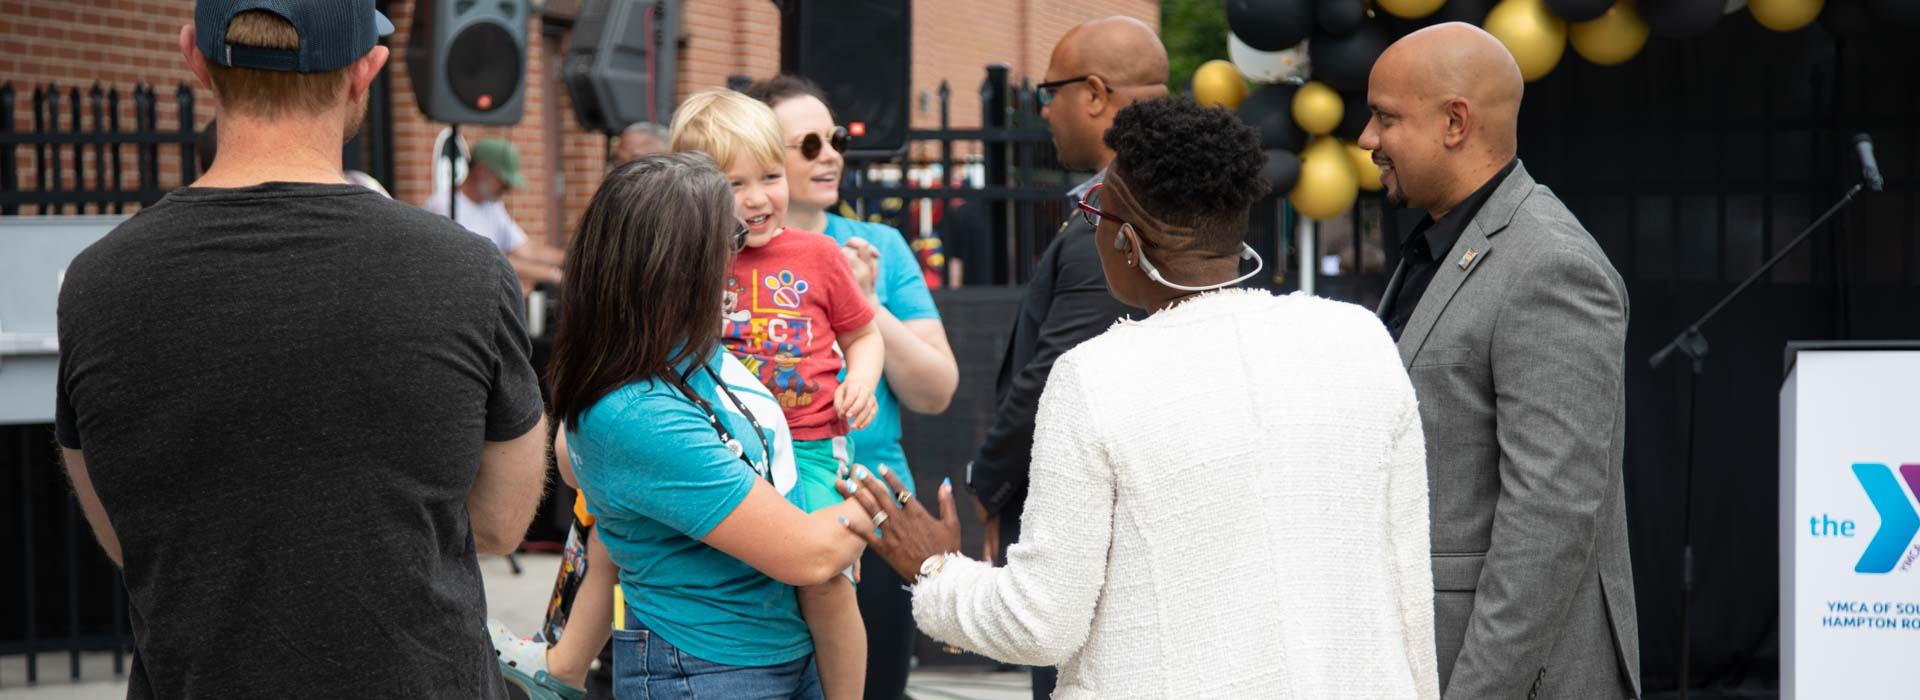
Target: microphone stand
{"type": "Point", "coordinates": [1692, 343]}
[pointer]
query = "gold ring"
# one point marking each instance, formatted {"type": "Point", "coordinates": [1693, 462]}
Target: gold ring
{"type": "Point", "coordinates": [903, 496]}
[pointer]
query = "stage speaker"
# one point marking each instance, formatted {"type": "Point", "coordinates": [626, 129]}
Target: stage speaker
{"type": "Point", "coordinates": [860, 52]}
{"type": "Point", "coordinates": [621, 63]}
{"type": "Point", "coordinates": [468, 60]}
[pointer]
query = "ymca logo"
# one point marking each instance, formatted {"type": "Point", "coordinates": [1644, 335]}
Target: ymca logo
{"type": "Point", "coordinates": [1898, 521]}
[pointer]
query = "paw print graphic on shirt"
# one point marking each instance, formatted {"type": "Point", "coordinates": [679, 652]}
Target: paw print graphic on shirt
{"type": "Point", "coordinates": [787, 289]}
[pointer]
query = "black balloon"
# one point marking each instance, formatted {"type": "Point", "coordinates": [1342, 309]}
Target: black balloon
{"type": "Point", "coordinates": [1353, 116]}
{"type": "Point", "coordinates": [1270, 25]}
{"type": "Point", "coordinates": [1848, 18]}
{"type": "Point", "coordinates": [1345, 61]}
{"type": "Point", "coordinates": [1579, 10]}
{"type": "Point", "coordinates": [1282, 171]}
{"type": "Point", "coordinates": [1340, 17]}
{"type": "Point", "coordinates": [1681, 19]}
{"type": "Point", "coordinates": [1270, 111]}
{"type": "Point", "coordinates": [1472, 12]}
{"type": "Point", "coordinates": [1906, 12]}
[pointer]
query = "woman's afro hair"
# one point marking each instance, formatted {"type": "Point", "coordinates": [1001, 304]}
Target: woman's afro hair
{"type": "Point", "coordinates": [1189, 165]}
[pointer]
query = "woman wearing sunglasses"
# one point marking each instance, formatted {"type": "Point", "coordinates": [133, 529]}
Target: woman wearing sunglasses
{"type": "Point", "coordinates": [1229, 498]}
{"type": "Point", "coordinates": [919, 372]}
{"type": "Point", "coordinates": [679, 449]}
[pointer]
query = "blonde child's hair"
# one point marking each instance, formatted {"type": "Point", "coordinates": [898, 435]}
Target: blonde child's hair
{"type": "Point", "coordinates": [726, 125]}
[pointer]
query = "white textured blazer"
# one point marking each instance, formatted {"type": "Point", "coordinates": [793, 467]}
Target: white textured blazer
{"type": "Point", "coordinates": [1228, 500]}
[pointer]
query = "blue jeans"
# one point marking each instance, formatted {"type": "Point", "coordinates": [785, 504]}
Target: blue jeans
{"type": "Point", "coordinates": [646, 667]}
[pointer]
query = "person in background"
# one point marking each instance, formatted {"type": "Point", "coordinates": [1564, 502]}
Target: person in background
{"type": "Point", "coordinates": [492, 171]}
{"type": "Point", "coordinates": [1229, 497]}
{"type": "Point", "coordinates": [297, 489]}
{"type": "Point", "coordinates": [1097, 69]}
{"type": "Point", "coordinates": [676, 446]}
{"type": "Point", "coordinates": [637, 140]}
{"type": "Point", "coordinates": [921, 372]}
{"type": "Point", "coordinates": [1519, 359]}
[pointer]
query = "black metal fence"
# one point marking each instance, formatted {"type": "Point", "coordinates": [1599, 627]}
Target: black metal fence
{"type": "Point", "coordinates": [76, 156]}
{"type": "Point", "coordinates": [62, 594]}
{"type": "Point", "coordinates": [1023, 189]}
{"type": "Point", "coordinates": [76, 164]}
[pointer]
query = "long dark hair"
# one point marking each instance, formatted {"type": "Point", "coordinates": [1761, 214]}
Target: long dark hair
{"type": "Point", "coordinates": [644, 279]}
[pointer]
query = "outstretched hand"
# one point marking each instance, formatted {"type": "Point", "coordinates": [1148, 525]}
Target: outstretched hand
{"type": "Point", "coordinates": [908, 533]}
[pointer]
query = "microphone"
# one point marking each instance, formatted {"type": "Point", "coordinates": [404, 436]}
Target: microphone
{"type": "Point", "coordinates": [1868, 168]}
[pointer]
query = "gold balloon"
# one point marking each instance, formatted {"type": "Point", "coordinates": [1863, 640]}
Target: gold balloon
{"type": "Point", "coordinates": [1784, 15]}
{"type": "Point", "coordinates": [1411, 9]}
{"type": "Point", "coordinates": [1317, 108]}
{"type": "Point", "coordinates": [1218, 83]}
{"type": "Point", "coordinates": [1327, 185]}
{"type": "Point", "coordinates": [1365, 172]}
{"type": "Point", "coordinates": [1531, 33]}
{"type": "Point", "coordinates": [1611, 38]}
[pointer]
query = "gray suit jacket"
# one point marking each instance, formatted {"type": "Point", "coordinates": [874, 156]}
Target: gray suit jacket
{"type": "Point", "coordinates": [1517, 356]}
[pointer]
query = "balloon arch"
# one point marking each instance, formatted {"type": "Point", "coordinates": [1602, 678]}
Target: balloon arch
{"type": "Point", "coordinates": [1310, 60]}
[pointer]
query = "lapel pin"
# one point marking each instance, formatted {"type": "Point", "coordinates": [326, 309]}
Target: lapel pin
{"type": "Point", "coordinates": [1466, 260]}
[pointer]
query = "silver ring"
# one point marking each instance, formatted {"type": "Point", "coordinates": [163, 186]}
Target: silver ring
{"type": "Point", "coordinates": [879, 520]}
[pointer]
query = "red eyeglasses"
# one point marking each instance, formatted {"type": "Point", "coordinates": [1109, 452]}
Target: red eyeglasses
{"type": "Point", "coordinates": [1092, 212]}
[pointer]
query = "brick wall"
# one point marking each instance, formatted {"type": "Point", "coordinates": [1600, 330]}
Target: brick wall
{"type": "Point", "coordinates": [118, 44]}
{"type": "Point", "coordinates": [121, 42]}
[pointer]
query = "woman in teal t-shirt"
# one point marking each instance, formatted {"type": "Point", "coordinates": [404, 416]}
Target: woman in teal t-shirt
{"type": "Point", "coordinates": [920, 373]}
{"type": "Point", "coordinates": [668, 440]}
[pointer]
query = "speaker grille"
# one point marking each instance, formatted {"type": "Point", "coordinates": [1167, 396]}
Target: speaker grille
{"type": "Point", "coordinates": [483, 67]}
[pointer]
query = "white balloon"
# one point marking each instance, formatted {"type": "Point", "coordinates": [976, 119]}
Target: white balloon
{"type": "Point", "coordinates": [1268, 66]}
{"type": "Point", "coordinates": [1735, 6]}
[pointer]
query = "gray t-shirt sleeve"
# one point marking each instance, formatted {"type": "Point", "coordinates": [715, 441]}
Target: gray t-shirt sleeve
{"type": "Point", "coordinates": [513, 405]}
{"type": "Point", "coordinates": [66, 425]}
{"type": "Point", "coordinates": [65, 428]}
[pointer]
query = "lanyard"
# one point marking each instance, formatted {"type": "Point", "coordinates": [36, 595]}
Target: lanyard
{"type": "Point", "coordinates": [732, 443]}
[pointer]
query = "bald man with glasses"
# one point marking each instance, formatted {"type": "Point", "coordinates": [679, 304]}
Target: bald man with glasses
{"type": "Point", "coordinates": [1096, 69]}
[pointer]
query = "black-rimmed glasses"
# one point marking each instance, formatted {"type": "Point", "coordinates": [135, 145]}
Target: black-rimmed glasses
{"type": "Point", "coordinates": [1045, 92]}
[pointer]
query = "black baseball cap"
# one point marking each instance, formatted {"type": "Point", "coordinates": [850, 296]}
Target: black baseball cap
{"type": "Point", "coordinates": [333, 33]}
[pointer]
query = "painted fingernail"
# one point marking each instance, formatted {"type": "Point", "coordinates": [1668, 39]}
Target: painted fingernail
{"type": "Point", "coordinates": [946, 483]}
{"type": "Point", "coordinates": [884, 471]}
{"type": "Point", "coordinates": [853, 487]}
{"type": "Point", "coordinates": [862, 473]}
{"type": "Point", "coordinates": [843, 520]}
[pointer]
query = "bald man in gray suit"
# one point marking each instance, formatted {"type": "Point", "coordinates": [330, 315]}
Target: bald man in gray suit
{"type": "Point", "coordinates": [1513, 325]}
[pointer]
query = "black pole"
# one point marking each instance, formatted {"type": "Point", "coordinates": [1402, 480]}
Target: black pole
{"type": "Point", "coordinates": [1692, 343]}
{"type": "Point", "coordinates": [1686, 528]}
{"type": "Point", "coordinates": [453, 175]}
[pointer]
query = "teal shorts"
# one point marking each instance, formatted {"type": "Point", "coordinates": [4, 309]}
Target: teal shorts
{"type": "Point", "coordinates": [819, 464]}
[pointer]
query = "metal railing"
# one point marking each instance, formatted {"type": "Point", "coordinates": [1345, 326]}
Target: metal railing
{"type": "Point", "coordinates": [94, 156]}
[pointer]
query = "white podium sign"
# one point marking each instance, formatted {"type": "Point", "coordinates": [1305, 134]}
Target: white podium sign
{"type": "Point", "coordinates": [1849, 554]}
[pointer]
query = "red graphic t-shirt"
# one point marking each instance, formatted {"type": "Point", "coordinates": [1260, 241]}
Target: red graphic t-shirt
{"type": "Point", "coordinates": [786, 303]}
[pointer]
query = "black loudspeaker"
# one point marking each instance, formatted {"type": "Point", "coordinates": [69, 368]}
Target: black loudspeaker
{"type": "Point", "coordinates": [860, 52]}
{"type": "Point", "coordinates": [468, 60]}
{"type": "Point", "coordinates": [621, 63]}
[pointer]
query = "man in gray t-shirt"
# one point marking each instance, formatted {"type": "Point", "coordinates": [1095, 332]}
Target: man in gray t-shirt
{"type": "Point", "coordinates": [293, 410]}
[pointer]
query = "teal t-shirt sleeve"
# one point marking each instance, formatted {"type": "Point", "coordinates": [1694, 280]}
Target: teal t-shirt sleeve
{"type": "Point", "coordinates": [659, 458]}
{"type": "Point", "coordinates": [907, 295]}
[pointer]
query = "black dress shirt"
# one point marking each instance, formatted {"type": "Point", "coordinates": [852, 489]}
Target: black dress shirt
{"type": "Point", "coordinates": [1425, 248]}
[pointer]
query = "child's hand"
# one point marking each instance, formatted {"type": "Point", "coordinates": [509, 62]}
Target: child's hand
{"type": "Point", "coordinates": [854, 401]}
{"type": "Point", "coordinates": [864, 261]}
